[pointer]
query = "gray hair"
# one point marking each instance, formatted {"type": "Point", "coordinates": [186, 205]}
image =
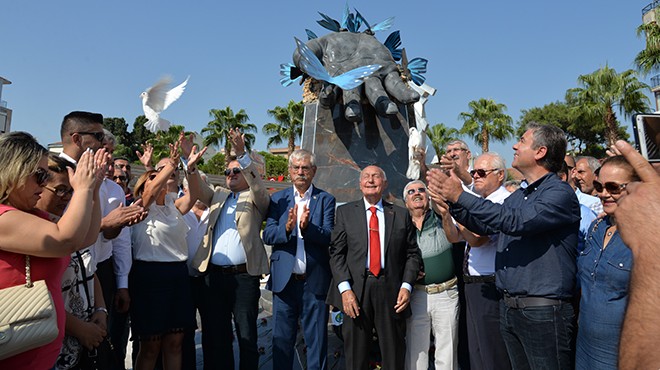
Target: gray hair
{"type": "Point", "coordinates": [554, 140]}
{"type": "Point", "coordinates": [459, 142]}
{"type": "Point", "coordinates": [496, 160]}
{"type": "Point", "coordinates": [592, 162]}
{"type": "Point", "coordinates": [109, 137]}
{"type": "Point", "coordinates": [300, 154]}
{"type": "Point", "coordinates": [405, 188]}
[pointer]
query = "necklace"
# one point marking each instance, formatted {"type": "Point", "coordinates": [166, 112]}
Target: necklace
{"type": "Point", "coordinates": [611, 230]}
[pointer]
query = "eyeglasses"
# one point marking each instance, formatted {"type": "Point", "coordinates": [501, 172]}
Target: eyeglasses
{"type": "Point", "coordinates": [153, 176]}
{"type": "Point", "coordinates": [123, 166]}
{"type": "Point", "coordinates": [42, 176]}
{"type": "Point", "coordinates": [97, 135]}
{"type": "Point", "coordinates": [120, 178]}
{"type": "Point", "coordinates": [482, 173]}
{"type": "Point", "coordinates": [234, 170]}
{"type": "Point", "coordinates": [303, 168]}
{"type": "Point", "coordinates": [418, 190]}
{"type": "Point", "coordinates": [60, 192]}
{"type": "Point", "coordinates": [612, 187]}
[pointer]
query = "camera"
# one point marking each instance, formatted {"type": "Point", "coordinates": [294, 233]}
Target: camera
{"type": "Point", "coordinates": [647, 135]}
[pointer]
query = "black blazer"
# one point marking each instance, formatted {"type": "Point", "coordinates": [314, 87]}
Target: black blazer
{"type": "Point", "coordinates": [348, 252]}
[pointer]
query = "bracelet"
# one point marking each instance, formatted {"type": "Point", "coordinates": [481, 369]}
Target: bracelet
{"type": "Point", "coordinates": [101, 309]}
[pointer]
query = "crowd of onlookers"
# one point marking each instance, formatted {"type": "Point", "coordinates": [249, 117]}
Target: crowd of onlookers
{"type": "Point", "coordinates": [552, 272]}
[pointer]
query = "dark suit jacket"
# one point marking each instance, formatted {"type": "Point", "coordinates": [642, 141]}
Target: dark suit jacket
{"type": "Point", "coordinates": [349, 245]}
{"type": "Point", "coordinates": [316, 239]}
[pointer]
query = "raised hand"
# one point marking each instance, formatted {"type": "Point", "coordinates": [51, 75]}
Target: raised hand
{"type": "Point", "coordinates": [237, 141]}
{"type": "Point", "coordinates": [292, 219]}
{"type": "Point", "coordinates": [304, 218]}
{"type": "Point", "coordinates": [145, 156]}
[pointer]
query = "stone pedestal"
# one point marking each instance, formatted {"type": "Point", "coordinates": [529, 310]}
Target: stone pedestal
{"type": "Point", "coordinates": [344, 148]}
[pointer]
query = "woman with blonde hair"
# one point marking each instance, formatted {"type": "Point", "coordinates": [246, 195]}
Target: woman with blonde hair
{"type": "Point", "coordinates": [26, 231]}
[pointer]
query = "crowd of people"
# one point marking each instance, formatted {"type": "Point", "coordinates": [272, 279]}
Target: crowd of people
{"type": "Point", "coordinates": [471, 271]}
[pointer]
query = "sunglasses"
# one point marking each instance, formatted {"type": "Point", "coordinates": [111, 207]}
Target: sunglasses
{"type": "Point", "coordinates": [99, 136]}
{"type": "Point", "coordinates": [234, 170]}
{"type": "Point", "coordinates": [418, 190]}
{"type": "Point", "coordinates": [151, 177]}
{"type": "Point", "coordinates": [60, 192]}
{"type": "Point", "coordinates": [123, 166]}
{"type": "Point", "coordinates": [612, 187]}
{"type": "Point", "coordinates": [482, 172]}
{"type": "Point", "coordinates": [42, 176]}
{"type": "Point", "coordinates": [121, 178]}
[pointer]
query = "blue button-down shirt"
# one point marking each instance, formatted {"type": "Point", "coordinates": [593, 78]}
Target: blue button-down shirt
{"type": "Point", "coordinates": [537, 245]}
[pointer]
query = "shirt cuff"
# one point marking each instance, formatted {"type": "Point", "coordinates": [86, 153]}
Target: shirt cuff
{"type": "Point", "coordinates": [407, 286]}
{"type": "Point", "coordinates": [344, 286]}
{"type": "Point", "coordinates": [244, 160]}
{"type": "Point", "coordinates": [122, 282]}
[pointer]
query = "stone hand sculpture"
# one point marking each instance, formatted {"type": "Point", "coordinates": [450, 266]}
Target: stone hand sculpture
{"type": "Point", "coordinates": [340, 52]}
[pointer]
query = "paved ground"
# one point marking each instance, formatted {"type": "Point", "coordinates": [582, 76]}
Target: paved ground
{"type": "Point", "coordinates": [264, 327]}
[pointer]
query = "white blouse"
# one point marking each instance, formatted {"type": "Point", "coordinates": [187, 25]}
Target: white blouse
{"type": "Point", "coordinates": [161, 237]}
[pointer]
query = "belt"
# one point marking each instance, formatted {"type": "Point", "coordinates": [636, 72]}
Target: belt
{"type": "Point", "coordinates": [523, 302]}
{"type": "Point", "coordinates": [230, 270]}
{"type": "Point", "coordinates": [438, 288]}
{"type": "Point", "coordinates": [478, 279]}
{"type": "Point", "coordinates": [299, 277]}
{"type": "Point", "coordinates": [368, 273]}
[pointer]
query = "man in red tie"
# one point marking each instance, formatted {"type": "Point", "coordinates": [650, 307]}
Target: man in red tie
{"type": "Point", "coordinates": [374, 260]}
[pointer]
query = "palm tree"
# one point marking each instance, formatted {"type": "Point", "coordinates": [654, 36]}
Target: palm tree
{"type": "Point", "coordinates": [440, 135]}
{"type": "Point", "coordinates": [604, 89]}
{"type": "Point", "coordinates": [648, 60]}
{"type": "Point", "coordinates": [485, 121]}
{"type": "Point", "coordinates": [288, 127]}
{"type": "Point", "coordinates": [216, 131]}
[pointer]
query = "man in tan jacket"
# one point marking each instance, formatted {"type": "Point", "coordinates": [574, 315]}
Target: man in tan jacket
{"type": "Point", "coordinates": [233, 257]}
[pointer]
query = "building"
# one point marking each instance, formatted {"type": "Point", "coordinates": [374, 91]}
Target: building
{"type": "Point", "coordinates": [5, 113]}
{"type": "Point", "coordinates": [282, 152]}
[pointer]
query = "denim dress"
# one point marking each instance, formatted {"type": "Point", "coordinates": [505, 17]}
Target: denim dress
{"type": "Point", "coordinates": [603, 276]}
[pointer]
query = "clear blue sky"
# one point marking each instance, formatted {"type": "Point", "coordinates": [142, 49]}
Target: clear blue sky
{"type": "Point", "coordinates": [99, 55]}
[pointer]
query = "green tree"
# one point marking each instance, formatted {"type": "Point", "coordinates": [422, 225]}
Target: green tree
{"type": "Point", "coordinates": [288, 126]}
{"type": "Point", "coordinates": [485, 121]}
{"type": "Point", "coordinates": [275, 165]}
{"type": "Point", "coordinates": [119, 128]}
{"type": "Point", "coordinates": [161, 142]}
{"type": "Point", "coordinates": [584, 135]}
{"type": "Point", "coordinates": [440, 135]}
{"type": "Point", "coordinates": [138, 136]}
{"type": "Point", "coordinates": [216, 131]}
{"type": "Point", "coordinates": [215, 165]}
{"type": "Point", "coordinates": [648, 60]}
{"type": "Point", "coordinates": [602, 91]}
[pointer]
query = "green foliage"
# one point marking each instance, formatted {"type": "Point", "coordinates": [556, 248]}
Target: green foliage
{"type": "Point", "coordinates": [600, 92]}
{"type": "Point", "coordinates": [216, 132]}
{"type": "Point", "coordinates": [288, 126]}
{"type": "Point", "coordinates": [215, 165]}
{"type": "Point", "coordinates": [440, 135]}
{"type": "Point", "coordinates": [275, 165]}
{"type": "Point", "coordinates": [648, 60]}
{"type": "Point", "coordinates": [485, 121]}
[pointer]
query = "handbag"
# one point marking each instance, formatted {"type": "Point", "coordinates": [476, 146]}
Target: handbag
{"type": "Point", "coordinates": [27, 316]}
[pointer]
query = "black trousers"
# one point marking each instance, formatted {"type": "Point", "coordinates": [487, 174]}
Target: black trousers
{"type": "Point", "coordinates": [375, 313]}
{"type": "Point", "coordinates": [117, 322]}
{"type": "Point", "coordinates": [231, 296]}
{"type": "Point", "coordinates": [487, 348]}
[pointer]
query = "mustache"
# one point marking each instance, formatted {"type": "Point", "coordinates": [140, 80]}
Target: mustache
{"type": "Point", "coordinates": [301, 177]}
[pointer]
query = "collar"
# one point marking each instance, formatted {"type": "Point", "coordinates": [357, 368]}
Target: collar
{"type": "Point", "coordinates": [307, 193]}
{"type": "Point", "coordinates": [533, 186]}
{"type": "Point", "coordinates": [378, 205]}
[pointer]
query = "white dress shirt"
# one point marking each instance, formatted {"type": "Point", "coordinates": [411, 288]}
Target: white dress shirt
{"type": "Point", "coordinates": [195, 235]}
{"type": "Point", "coordinates": [300, 264]}
{"type": "Point", "coordinates": [481, 260]}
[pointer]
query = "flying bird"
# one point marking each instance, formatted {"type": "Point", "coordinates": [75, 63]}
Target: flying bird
{"type": "Point", "coordinates": [156, 99]}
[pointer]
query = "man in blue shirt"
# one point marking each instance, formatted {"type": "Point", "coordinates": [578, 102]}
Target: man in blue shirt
{"type": "Point", "coordinates": [536, 252]}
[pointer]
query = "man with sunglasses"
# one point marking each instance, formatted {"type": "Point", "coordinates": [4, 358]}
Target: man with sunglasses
{"type": "Point", "coordinates": [535, 263]}
{"type": "Point", "coordinates": [112, 256]}
{"type": "Point", "coordinates": [299, 224]}
{"type": "Point", "coordinates": [434, 300]}
{"type": "Point", "coordinates": [487, 349]}
{"type": "Point", "coordinates": [234, 259]}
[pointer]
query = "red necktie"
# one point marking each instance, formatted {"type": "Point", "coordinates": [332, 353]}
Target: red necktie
{"type": "Point", "coordinates": [374, 243]}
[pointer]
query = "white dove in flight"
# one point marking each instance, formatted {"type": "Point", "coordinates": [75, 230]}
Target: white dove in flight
{"type": "Point", "coordinates": [156, 99]}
